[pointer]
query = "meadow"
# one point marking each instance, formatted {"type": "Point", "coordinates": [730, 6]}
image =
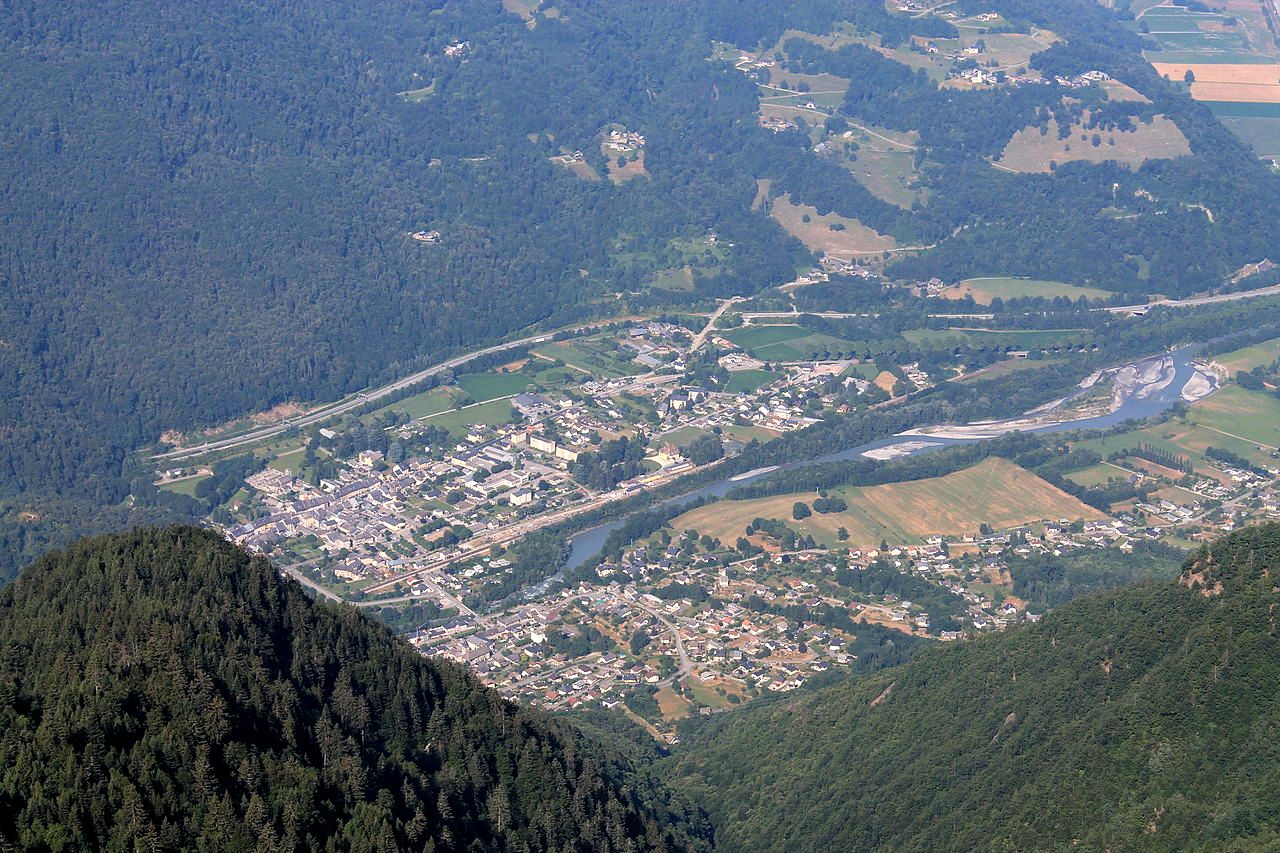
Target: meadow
{"type": "Point", "coordinates": [1030, 151]}
{"type": "Point", "coordinates": [985, 289]}
{"type": "Point", "coordinates": [994, 491]}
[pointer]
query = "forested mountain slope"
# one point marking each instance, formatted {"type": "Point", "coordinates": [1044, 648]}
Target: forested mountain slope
{"type": "Point", "coordinates": [1145, 719]}
{"type": "Point", "coordinates": [163, 690]}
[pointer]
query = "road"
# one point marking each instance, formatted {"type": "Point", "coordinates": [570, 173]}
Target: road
{"type": "Point", "coordinates": [751, 316]}
{"type": "Point", "coordinates": [1201, 300]}
{"type": "Point", "coordinates": [686, 665]}
{"type": "Point", "coordinates": [701, 337]}
{"type": "Point", "coordinates": [293, 572]}
{"type": "Point", "coordinates": [324, 413]}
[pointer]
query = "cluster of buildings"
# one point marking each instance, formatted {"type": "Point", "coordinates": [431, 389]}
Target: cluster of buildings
{"type": "Point", "coordinates": [623, 141]}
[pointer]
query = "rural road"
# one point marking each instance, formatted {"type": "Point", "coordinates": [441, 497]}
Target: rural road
{"type": "Point", "coordinates": [686, 665]}
{"type": "Point", "coordinates": [702, 336]}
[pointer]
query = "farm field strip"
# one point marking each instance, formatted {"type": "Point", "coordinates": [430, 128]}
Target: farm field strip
{"type": "Point", "coordinates": [994, 491]}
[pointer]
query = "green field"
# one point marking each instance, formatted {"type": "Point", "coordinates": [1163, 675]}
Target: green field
{"type": "Point", "coordinates": [184, 487]}
{"type": "Point", "coordinates": [1095, 475]}
{"type": "Point", "coordinates": [994, 491]}
{"type": "Point", "coordinates": [684, 436]}
{"type": "Point", "coordinates": [747, 433]}
{"type": "Point", "coordinates": [1012, 365]}
{"type": "Point", "coordinates": [594, 356]}
{"type": "Point", "coordinates": [493, 413]}
{"type": "Point", "coordinates": [750, 337]}
{"type": "Point", "coordinates": [1016, 339]}
{"type": "Point", "coordinates": [288, 461]}
{"type": "Point", "coordinates": [864, 371]}
{"type": "Point", "coordinates": [1184, 438]}
{"type": "Point", "coordinates": [420, 405]}
{"type": "Point", "coordinates": [1249, 415]}
{"type": "Point", "coordinates": [489, 386]}
{"type": "Point", "coordinates": [786, 343]}
{"type": "Point", "coordinates": [889, 172]}
{"type": "Point", "coordinates": [984, 290]}
{"type": "Point", "coordinates": [747, 381]}
{"type": "Point", "coordinates": [1250, 357]}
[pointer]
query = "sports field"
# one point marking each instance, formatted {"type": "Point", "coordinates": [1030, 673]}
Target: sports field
{"type": "Point", "coordinates": [787, 343]}
{"type": "Point", "coordinates": [747, 381]}
{"type": "Point", "coordinates": [994, 491]}
{"type": "Point", "coordinates": [984, 290]}
{"type": "Point", "coordinates": [490, 386]}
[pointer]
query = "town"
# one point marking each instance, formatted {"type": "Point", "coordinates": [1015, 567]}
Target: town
{"type": "Point", "coordinates": [419, 520]}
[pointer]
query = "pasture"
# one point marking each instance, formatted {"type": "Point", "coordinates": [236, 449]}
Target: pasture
{"type": "Point", "coordinates": [1248, 358]}
{"type": "Point", "coordinates": [787, 343]}
{"type": "Point", "coordinates": [483, 387]}
{"type": "Point", "coordinates": [493, 413]}
{"type": "Point", "coordinates": [994, 491]}
{"type": "Point", "coordinates": [1031, 151]}
{"type": "Point", "coordinates": [633, 168]}
{"type": "Point", "coordinates": [829, 232]}
{"type": "Point", "coordinates": [1251, 416]}
{"type": "Point", "coordinates": [985, 290]}
{"type": "Point", "coordinates": [888, 171]}
{"type": "Point", "coordinates": [581, 168]}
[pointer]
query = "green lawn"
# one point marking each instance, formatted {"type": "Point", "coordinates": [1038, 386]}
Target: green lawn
{"type": "Point", "coordinates": [1249, 415]}
{"type": "Point", "coordinates": [747, 381]}
{"type": "Point", "coordinates": [984, 290]}
{"type": "Point", "coordinates": [184, 487]}
{"type": "Point", "coordinates": [492, 413]}
{"type": "Point", "coordinates": [288, 461]}
{"type": "Point", "coordinates": [751, 337]}
{"type": "Point", "coordinates": [1250, 357]}
{"type": "Point", "coordinates": [489, 386]}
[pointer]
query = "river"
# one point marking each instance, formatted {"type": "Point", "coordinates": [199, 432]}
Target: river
{"type": "Point", "coordinates": [1144, 388]}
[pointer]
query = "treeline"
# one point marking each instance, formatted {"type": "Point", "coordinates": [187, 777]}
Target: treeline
{"type": "Point", "coordinates": [1046, 580]}
{"type": "Point", "coordinates": [275, 721]}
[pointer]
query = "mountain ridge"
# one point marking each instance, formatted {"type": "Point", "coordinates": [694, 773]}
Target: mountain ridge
{"type": "Point", "coordinates": [163, 688]}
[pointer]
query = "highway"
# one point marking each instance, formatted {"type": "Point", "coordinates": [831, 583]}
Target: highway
{"type": "Point", "coordinates": [1274, 290]}
{"type": "Point", "coordinates": [324, 413]}
{"type": "Point", "coordinates": [332, 410]}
